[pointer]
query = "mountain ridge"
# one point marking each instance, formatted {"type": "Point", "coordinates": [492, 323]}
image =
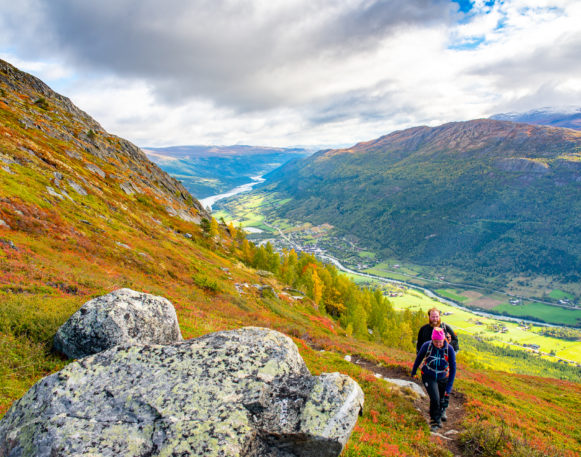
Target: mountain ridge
{"type": "Point", "coordinates": [444, 194]}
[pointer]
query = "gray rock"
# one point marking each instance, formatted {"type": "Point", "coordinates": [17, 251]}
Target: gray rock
{"type": "Point", "coordinates": [121, 317]}
{"type": "Point", "coordinates": [183, 214]}
{"type": "Point", "coordinates": [73, 154]}
{"type": "Point", "coordinates": [77, 187]}
{"type": "Point", "coordinates": [53, 192]}
{"type": "Point", "coordinates": [58, 177]}
{"type": "Point", "coordinates": [129, 188]}
{"type": "Point", "coordinates": [95, 169]}
{"type": "Point", "coordinates": [409, 384]}
{"type": "Point", "coordinates": [8, 243]}
{"type": "Point", "coordinates": [266, 291]}
{"type": "Point", "coordinates": [238, 393]}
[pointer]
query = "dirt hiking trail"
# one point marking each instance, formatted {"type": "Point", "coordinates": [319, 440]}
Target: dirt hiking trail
{"type": "Point", "coordinates": [455, 412]}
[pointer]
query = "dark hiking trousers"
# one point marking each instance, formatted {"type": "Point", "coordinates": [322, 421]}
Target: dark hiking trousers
{"type": "Point", "coordinates": [436, 391]}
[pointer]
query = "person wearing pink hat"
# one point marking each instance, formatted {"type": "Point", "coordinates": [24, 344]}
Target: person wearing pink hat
{"type": "Point", "coordinates": [438, 372]}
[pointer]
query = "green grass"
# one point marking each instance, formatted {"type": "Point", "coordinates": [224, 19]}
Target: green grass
{"type": "Point", "coordinates": [451, 294]}
{"type": "Point", "coordinates": [559, 294]}
{"type": "Point", "coordinates": [545, 313]}
{"type": "Point", "coordinates": [464, 322]}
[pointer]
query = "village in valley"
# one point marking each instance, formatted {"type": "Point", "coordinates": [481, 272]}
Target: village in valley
{"type": "Point", "coordinates": [324, 243]}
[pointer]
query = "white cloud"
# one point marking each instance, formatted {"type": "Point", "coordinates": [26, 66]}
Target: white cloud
{"type": "Point", "coordinates": [295, 72]}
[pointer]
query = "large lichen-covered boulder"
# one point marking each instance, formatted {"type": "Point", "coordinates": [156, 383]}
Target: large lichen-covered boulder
{"type": "Point", "coordinates": [121, 317]}
{"type": "Point", "coordinates": [236, 393]}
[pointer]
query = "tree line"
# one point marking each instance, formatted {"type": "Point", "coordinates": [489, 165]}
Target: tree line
{"type": "Point", "coordinates": [362, 312]}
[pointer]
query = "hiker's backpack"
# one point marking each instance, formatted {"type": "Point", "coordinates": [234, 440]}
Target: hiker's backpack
{"type": "Point", "coordinates": [438, 365]}
{"type": "Point", "coordinates": [454, 343]}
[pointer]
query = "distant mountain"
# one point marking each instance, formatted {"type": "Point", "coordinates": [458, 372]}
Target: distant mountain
{"type": "Point", "coordinates": [485, 196]}
{"type": "Point", "coordinates": [545, 116]}
{"type": "Point", "coordinates": [210, 170]}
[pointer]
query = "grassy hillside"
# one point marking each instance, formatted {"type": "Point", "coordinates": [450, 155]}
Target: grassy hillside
{"type": "Point", "coordinates": [491, 198]}
{"type": "Point", "coordinates": [84, 213]}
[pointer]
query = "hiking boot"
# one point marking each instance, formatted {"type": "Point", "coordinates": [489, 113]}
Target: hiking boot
{"type": "Point", "coordinates": [443, 417]}
{"type": "Point", "coordinates": [435, 426]}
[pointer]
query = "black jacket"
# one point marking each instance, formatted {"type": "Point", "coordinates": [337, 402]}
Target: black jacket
{"type": "Point", "coordinates": [425, 334]}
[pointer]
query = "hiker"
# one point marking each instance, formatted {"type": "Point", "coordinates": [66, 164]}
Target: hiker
{"type": "Point", "coordinates": [438, 374]}
{"type": "Point", "coordinates": [425, 333]}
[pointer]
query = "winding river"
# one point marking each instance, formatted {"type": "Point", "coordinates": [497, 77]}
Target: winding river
{"type": "Point", "coordinates": [431, 294]}
{"type": "Point", "coordinates": [208, 202]}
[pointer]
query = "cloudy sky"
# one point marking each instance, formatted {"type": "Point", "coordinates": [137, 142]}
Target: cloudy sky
{"type": "Point", "coordinates": [295, 72]}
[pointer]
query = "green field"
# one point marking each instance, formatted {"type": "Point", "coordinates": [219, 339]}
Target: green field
{"type": "Point", "coordinates": [466, 322]}
{"type": "Point", "coordinates": [393, 266]}
{"type": "Point", "coordinates": [546, 313]}
{"type": "Point", "coordinates": [451, 294]}
{"type": "Point", "coordinates": [559, 294]}
{"type": "Point", "coordinates": [535, 311]}
{"type": "Point", "coordinates": [248, 210]}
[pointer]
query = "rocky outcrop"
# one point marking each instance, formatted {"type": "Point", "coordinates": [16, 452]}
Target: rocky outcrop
{"type": "Point", "coordinates": [237, 393]}
{"type": "Point", "coordinates": [116, 161]}
{"type": "Point", "coordinates": [121, 317]}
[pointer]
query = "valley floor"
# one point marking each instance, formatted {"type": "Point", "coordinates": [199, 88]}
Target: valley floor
{"type": "Point", "coordinates": [400, 281]}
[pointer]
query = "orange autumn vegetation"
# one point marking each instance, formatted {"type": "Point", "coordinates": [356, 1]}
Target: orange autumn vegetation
{"type": "Point", "coordinates": [56, 253]}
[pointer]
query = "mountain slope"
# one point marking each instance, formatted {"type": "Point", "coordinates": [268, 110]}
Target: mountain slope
{"type": "Point", "coordinates": [44, 131]}
{"type": "Point", "coordinates": [211, 170]}
{"type": "Point", "coordinates": [482, 195]}
{"type": "Point", "coordinates": [82, 214]}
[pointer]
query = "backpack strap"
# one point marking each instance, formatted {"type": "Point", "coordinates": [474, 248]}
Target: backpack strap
{"type": "Point", "coordinates": [430, 366]}
{"type": "Point", "coordinates": [429, 351]}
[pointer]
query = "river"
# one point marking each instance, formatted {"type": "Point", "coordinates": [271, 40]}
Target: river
{"type": "Point", "coordinates": [208, 202]}
{"type": "Point", "coordinates": [431, 294]}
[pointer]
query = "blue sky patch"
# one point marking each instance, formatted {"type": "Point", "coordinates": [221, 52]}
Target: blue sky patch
{"type": "Point", "coordinates": [468, 44]}
{"type": "Point", "coordinates": [464, 5]}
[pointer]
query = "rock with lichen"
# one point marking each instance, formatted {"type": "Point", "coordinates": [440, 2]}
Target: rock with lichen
{"type": "Point", "coordinates": [121, 317]}
{"type": "Point", "coordinates": [235, 393]}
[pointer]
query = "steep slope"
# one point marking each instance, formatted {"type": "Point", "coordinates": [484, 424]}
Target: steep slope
{"type": "Point", "coordinates": [45, 132]}
{"type": "Point", "coordinates": [82, 214]}
{"type": "Point", "coordinates": [210, 170]}
{"type": "Point", "coordinates": [484, 195]}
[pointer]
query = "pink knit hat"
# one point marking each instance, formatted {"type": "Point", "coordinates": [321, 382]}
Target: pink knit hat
{"type": "Point", "coordinates": [438, 334]}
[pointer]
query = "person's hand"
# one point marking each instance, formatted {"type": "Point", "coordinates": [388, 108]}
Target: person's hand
{"type": "Point", "coordinates": [449, 337]}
